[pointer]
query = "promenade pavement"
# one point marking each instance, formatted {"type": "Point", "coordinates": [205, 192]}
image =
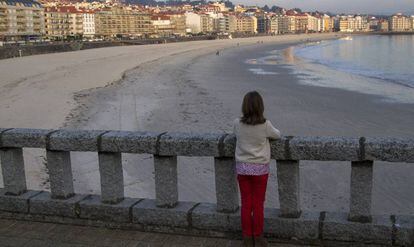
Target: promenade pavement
{"type": "Point", "coordinates": [33, 234]}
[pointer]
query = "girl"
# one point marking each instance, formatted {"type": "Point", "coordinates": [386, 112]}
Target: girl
{"type": "Point", "coordinates": [252, 155]}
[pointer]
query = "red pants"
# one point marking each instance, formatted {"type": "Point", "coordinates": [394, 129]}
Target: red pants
{"type": "Point", "coordinates": [253, 193]}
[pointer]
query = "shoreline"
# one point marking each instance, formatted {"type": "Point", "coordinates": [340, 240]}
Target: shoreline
{"type": "Point", "coordinates": [191, 89]}
{"type": "Point", "coordinates": [8, 52]}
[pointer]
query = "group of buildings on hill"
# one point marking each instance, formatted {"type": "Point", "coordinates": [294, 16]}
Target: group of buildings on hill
{"type": "Point", "coordinates": [31, 20]}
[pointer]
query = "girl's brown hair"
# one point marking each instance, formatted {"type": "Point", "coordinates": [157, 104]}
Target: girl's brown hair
{"type": "Point", "coordinates": [252, 109]}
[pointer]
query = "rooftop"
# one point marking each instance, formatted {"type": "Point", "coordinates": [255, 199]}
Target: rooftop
{"type": "Point", "coordinates": [25, 3]}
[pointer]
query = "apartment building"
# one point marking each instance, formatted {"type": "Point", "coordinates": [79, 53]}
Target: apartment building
{"type": "Point", "coordinates": [246, 24]}
{"type": "Point", "coordinates": [400, 23]}
{"type": "Point", "coordinates": [286, 24]}
{"type": "Point", "coordinates": [268, 24]}
{"type": "Point", "coordinates": [261, 24]}
{"type": "Point", "coordinates": [383, 26]}
{"type": "Point", "coordinates": [193, 22]}
{"type": "Point", "coordinates": [207, 23]}
{"type": "Point", "coordinates": [327, 23]}
{"type": "Point", "coordinates": [178, 21]}
{"type": "Point", "coordinates": [353, 24]}
{"type": "Point", "coordinates": [301, 23]}
{"type": "Point", "coordinates": [88, 23]}
{"type": "Point", "coordinates": [162, 24]}
{"type": "Point", "coordinates": [226, 23]}
{"type": "Point", "coordinates": [21, 20]}
{"type": "Point", "coordinates": [412, 22]}
{"type": "Point", "coordinates": [122, 22]}
{"type": "Point", "coordinates": [63, 22]}
{"type": "Point", "coordinates": [314, 23]}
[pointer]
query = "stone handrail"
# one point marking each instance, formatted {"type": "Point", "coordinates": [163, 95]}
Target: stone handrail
{"type": "Point", "coordinates": [167, 214]}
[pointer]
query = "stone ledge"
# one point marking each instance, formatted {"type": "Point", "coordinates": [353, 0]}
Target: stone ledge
{"type": "Point", "coordinates": [45, 205]}
{"type": "Point", "coordinates": [278, 149]}
{"type": "Point", "coordinates": [205, 217]}
{"type": "Point", "coordinates": [337, 227]}
{"type": "Point", "coordinates": [190, 144]}
{"type": "Point", "coordinates": [74, 140]}
{"type": "Point", "coordinates": [129, 142]}
{"type": "Point", "coordinates": [30, 138]}
{"type": "Point", "coordinates": [404, 226]}
{"type": "Point", "coordinates": [306, 227]}
{"type": "Point", "coordinates": [147, 213]}
{"type": "Point", "coordinates": [18, 204]}
{"type": "Point", "coordinates": [209, 144]}
{"type": "Point", "coordinates": [2, 130]}
{"type": "Point", "coordinates": [389, 149]}
{"type": "Point", "coordinates": [92, 208]}
{"type": "Point", "coordinates": [229, 145]}
{"type": "Point", "coordinates": [324, 148]}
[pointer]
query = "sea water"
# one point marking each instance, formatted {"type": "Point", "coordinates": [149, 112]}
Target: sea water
{"type": "Point", "coordinates": [381, 65]}
{"type": "Point", "coordinates": [374, 64]}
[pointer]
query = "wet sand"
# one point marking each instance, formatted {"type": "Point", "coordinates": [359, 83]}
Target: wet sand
{"type": "Point", "coordinates": [186, 87]}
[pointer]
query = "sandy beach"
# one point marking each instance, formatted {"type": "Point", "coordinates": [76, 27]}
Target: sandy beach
{"type": "Point", "coordinates": [186, 87]}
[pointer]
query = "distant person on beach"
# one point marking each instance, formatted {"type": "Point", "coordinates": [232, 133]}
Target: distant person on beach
{"type": "Point", "coordinates": [252, 154]}
{"type": "Point", "coordinates": [217, 53]}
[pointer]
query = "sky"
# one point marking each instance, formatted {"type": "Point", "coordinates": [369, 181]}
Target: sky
{"type": "Point", "coordinates": [341, 6]}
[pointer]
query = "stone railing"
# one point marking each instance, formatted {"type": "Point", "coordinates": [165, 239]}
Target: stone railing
{"type": "Point", "coordinates": [167, 214]}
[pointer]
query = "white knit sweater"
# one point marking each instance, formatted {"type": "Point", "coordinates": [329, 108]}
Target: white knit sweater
{"type": "Point", "coordinates": [253, 141]}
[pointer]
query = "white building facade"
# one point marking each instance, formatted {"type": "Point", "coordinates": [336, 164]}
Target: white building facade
{"type": "Point", "coordinates": [193, 22]}
{"type": "Point", "coordinates": [88, 24]}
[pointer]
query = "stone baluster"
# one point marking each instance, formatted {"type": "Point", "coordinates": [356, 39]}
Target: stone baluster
{"type": "Point", "coordinates": [361, 191]}
{"type": "Point", "coordinates": [226, 185]}
{"type": "Point", "coordinates": [289, 188]}
{"type": "Point", "coordinates": [166, 187]}
{"type": "Point", "coordinates": [12, 165]}
{"type": "Point", "coordinates": [60, 174]}
{"type": "Point", "coordinates": [112, 179]}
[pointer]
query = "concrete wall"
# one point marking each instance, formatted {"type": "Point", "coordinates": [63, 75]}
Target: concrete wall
{"type": "Point", "coordinates": [167, 214]}
{"type": "Point", "coordinates": [11, 51]}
